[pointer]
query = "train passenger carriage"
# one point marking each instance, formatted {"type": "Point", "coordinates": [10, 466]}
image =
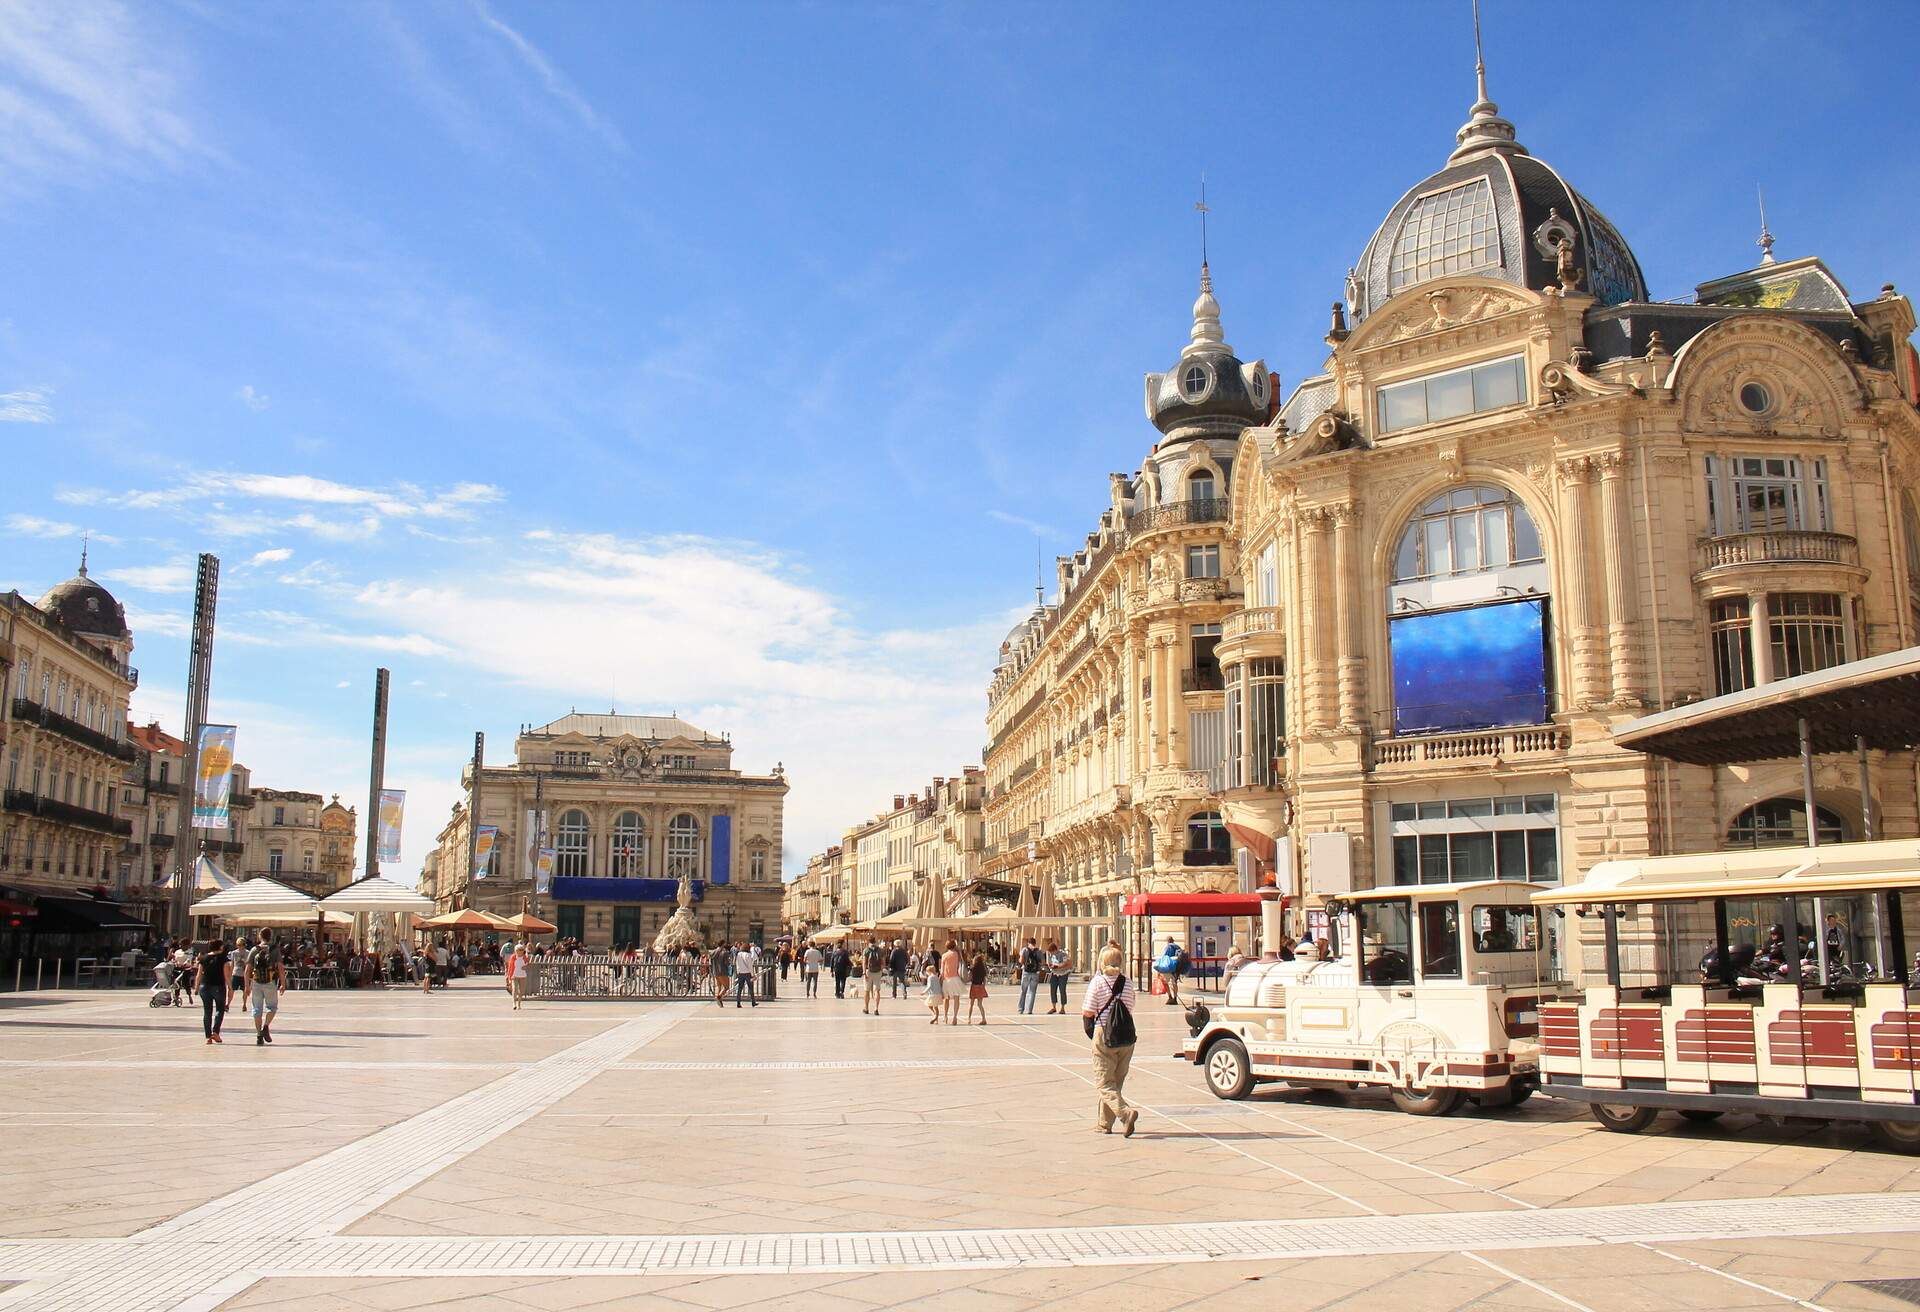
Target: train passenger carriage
{"type": "Point", "coordinates": [1774, 981]}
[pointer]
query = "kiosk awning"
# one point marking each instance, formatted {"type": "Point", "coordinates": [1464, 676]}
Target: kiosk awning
{"type": "Point", "coordinates": [1191, 904]}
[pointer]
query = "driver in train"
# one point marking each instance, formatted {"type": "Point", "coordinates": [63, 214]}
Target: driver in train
{"type": "Point", "coordinates": [1498, 935]}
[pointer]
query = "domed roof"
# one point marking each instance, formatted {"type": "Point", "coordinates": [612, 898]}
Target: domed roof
{"type": "Point", "coordinates": [1208, 392]}
{"type": "Point", "coordinates": [86, 607]}
{"type": "Point", "coordinates": [1494, 211]}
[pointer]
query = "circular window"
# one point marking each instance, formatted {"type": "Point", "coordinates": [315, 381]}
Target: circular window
{"type": "Point", "coordinates": [1194, 381]}
{"type": "Point", "coordinates": [1755, 399]}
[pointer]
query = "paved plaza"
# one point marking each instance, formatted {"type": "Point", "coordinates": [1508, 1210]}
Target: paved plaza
{"type": "Point", "coordinates": [395, 1150]}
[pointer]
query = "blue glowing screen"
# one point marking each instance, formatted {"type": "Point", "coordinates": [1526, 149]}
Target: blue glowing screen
{"type": "Point", "coordinates": [1471, 668]}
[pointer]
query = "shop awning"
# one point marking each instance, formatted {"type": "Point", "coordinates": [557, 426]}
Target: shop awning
{"type": "Point", "coordinates": [1191, 904]}
{"type": "Point", "coordinates": [83, 915]}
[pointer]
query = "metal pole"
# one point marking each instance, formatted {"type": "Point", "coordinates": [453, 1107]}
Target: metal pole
{"type": "Point", "coordinates": [378, 775]}
{"type": "Point", "coordinates": [199, 677]}
{"type": "Point", "coordinates": [1806, 789]}
{"type": "Point", "coordinates": [39, 972]}
{"type": "Point", "coordinates": [473, 812]}
{"type": "Point", "coordinates": [19, 969]}
{"type": "Point", "coordinates": [1866, 788]}
{"type": "Point", "coordinates": [58, 966]}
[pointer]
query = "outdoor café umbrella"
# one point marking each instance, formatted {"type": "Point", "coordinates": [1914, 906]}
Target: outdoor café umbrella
{"type": "Point", "coordinates": [374, 895]}
{"type": "Point", "coordinates": [254, 898]}
{"type": "Point", "coordinates": [528, 923]}
{"type": "Point", "coordinates": [467, 918]}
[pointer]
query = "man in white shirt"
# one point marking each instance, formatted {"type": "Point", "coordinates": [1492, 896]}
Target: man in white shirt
{"type": "Point", "coordinates": [743, 970]}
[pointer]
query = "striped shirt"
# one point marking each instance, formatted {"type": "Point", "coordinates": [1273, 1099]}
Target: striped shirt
{"type": "Point", "coordinates": [1100, 992]}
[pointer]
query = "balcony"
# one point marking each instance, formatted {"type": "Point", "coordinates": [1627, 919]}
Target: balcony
{"type": "Point", "coordinates": [1789, 547]}
{"type": "Point", "coordinates": [1243, 623]}
{"type": "Point", "coordinates": [1481, 745]}
{"type": "Point", "coordinates": [160, 842]}
{"type": "Point", "coordinates": [1192, 590]}
{"type": "Point", "coordinates": [1077, 653]}
{"type": "Point", "coordinates": [1205, 856]}
{"type": "Point", "coordinates": [22, 802]}
{"type": "Point", "coordinates": [1178, 514]}
{"type": "Point", "coordinates": [1201, 678]}
{"type": "Point", "coordinates": [165, 787]}
{"type": "Point", "coordinates": [26, 711]}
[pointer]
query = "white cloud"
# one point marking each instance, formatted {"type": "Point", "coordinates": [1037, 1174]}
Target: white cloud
{"type": "Point", "coordinates": [550, 77]}
{"type": "Point", "coordinates": [1034, 527]}
{"type": "Point", "coordinates": [85, 87]}
{"type": "Point", "coordinates": [253, 400]}
{"type": "Point", "coordinates": [175, 576]}
{"type": "Point", "coordinates": [167, 624]}
{"type": "Point", "coordinates": [32, 526]}
{"type": "Point", "coordinates": [272, 556]}
{"type": "Point", "coordinates": [246, 505]}
{"type": "Point", "coordinates": [29, 405]}
{"type": "Point", "coordinates": [344, 683]}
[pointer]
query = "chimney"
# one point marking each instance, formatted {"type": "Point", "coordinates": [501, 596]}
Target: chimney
{"type": "Point", "coordinates": [899, 800]}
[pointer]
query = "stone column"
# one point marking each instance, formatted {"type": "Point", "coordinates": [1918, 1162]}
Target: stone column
{"type": "Point", "coordinates": [1347, 583]}
{"type": "Point", "coordinates": [1178, 651]}
{"type": "Point", "coordinates": [1317, 646]}
{"type": "Point", "coordinates": [1621, 584]}
{"type": "Point", "coordinates": [1760, 616]}
{"type": "Point", "coordinates": [1578, 609]}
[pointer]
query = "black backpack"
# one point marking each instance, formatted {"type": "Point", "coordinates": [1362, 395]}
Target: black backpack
{"type": "Point", "coordinates": [1114, 1022]}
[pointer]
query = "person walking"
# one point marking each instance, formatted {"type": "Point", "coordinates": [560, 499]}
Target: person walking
{"type": "Point", "coordinates": [1107, 1013]}
{"type": "Point", "coordinates": [213, 981]}
{"type": "Point", "coordinates": [786, 959]}
{"type": "Point", "coordinates": [810, 962]}
{"type": "Point", "coordinates": [1032, 966]}
{"type": "Point", "coordinates": [977, 987]}
{"type": "Point", "coordinates": [266, 976]}
{"type": "Point", "coordinates": [1171, 965]}
{"type": "Point", "coordinates": [897, 968]}
{"type": "Point", "coordinates": [842, 967]}
{"type": "Point", "coordinates": [932, 990]}
{"type": "Point", "coordinates": [720, 962]}
{"type": "Point", "coordinates": [515, 970]}
{"type": "Point", "coordinates": [744, 967]}
{"type": "Point", "coordinates": [873, 964]}
{"type": "Point", "coordinates": [950, 986]}
{"type": "Point", "coordinates": [1059, 971]}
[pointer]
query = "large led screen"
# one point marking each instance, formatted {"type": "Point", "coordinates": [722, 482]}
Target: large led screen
{"type": "Point", "coordinates": [1471, 668]}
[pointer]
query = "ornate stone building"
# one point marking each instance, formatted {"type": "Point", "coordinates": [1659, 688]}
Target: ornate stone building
{"type": "Point", "coordinates": [65, 710]}
{"type": "Point", "coordinates": [150, 799]}
{"type": "Point", "coordinates": [881, 864]}
{"type": "Point", "coordinates": [630, 803]}
{"type": "Point", "coordinates": [1383, 631]}
{"type": "Point", "coordinates": [295, 838]}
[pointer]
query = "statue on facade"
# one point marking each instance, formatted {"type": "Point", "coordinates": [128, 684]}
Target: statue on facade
{"type": "Point", "coordinates": [680, 931]}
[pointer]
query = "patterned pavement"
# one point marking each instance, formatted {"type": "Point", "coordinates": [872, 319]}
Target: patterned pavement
{"type": "Point", "coordinates": [399, 1150]}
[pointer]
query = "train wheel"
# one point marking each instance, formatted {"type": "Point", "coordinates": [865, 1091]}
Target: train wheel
{"type": "Point", "coordinates": [1229, 1073]}
{"type": "Point", "coordinates": [1427, 1102]}
{"type": "Point", "coordinates": [1901, 1136]}
{"type": "Point", "coordinates": [1622, 1119]}
{"type": "Point", "coordinates": [1702, 1114]}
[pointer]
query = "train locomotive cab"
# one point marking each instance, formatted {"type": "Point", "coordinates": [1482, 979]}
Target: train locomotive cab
{"type": "Point", "coordinates": [1431, 991]}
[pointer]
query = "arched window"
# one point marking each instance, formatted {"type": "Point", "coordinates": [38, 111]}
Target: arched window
{"type": "Point", "coordinates": [683, 847]}
{"type": "Point", "coordinates": [1200, 485]}
{"type": "Point", "coordinates": [629, 846]}
{"type": "Point", "coordinates": [572, 841]}
{"type": "Point", "coordinates": [1468, 530]}
{"type": "Point", "coordinates": [1207, 841]}
{"type": "Point", "coordinates": [1782, 822]}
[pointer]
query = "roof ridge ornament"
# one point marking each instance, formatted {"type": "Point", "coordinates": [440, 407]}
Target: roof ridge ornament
{"type": "Point", "coordinates": [1484, 129]}
{"type": "Point", "coordinates": [1765, 243]}
{"type": "Point", "coordinates": [1206, 338]}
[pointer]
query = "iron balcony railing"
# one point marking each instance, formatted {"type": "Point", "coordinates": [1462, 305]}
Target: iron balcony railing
{"type": "Point", "coordinates": [1178, 514]}
{"type": "Point", "coordinates": [22, 802]}
{"type": "Point", "coordinates": [27, 711]}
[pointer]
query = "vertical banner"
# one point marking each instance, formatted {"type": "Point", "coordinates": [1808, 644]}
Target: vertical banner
{"type": "Point", "coordinates": [721, 858]}
{"type": "Point", "coordinates": [483, 841]}
{"type": "Point", "coordinates": [213, 783]}
{"type": "Point", "coordinates": [533, 837]}
{"type": "Point", "coordinates": [543, 871]}
{"type": "Point", "coordinates": [393, 808]}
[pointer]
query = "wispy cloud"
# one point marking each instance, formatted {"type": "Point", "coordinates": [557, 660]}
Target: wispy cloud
{"type": "Point", "coordinates": [85, 87]}
{"type": "Point", "coordinates": [29, 405]}
{"type": "Point", "coordinates": [551, 78]}
{"type": "Point", "coordinates": [253, 399]}
{"type": "Point", "coordinates": [1034, 527]}
{"type": "Point", "coordinates": [174, 576]}
{"type": "Point", "coordinates": [32, 526]}
{"type": "Point", "coordinates": [253, 505]}
{"type": "Point", "coordinates": [272, 556]}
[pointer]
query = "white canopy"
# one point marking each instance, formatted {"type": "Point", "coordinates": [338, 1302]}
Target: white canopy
{"type": "Point", "coordinates": [207, 878]}
{"type": "Point", "coordinates": [377, 893]}
{"type": "Point", "coordinates": [256, 897]}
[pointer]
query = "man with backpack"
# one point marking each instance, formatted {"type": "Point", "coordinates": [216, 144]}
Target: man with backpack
{"type": "Point", "coordinates": [1032, 966]}
{"type": "Point", "coordinates": [873, 964]}
{"type": "Point", "coordinates": [266, 975]}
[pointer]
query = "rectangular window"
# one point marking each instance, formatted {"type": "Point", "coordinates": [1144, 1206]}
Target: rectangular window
{"type": "Point", "coordinates": [1206, 744]}
{"type": "Point", "coordinates": [1807, 631]}
{"type": "Point", "coordinates": [1472, 839]}
{"type": "Point", "coordinates": [757, 865]}
{"type": "Point", "coordinates": [1236, 738]}
{"type": "Point", "coordinates": [1766, 494]}
{"type": "Point", "coordinates": [1205, 638]}
{"type": "Point", "coordinates": [1440, 941]}
{"type": "Point", "coordinates": [1731, 623]}
{"type": "Point", "coordinates": [274, 859]}
{"type": "Point", "coordinates": [1386, 942]}
{"type": "Point", "coordinates": [279, 815]}
{"type": "Point", "coordinates": [1203, 562]}
{"type": "Point", "coordinates": [1494, 385]}
{"type": "Point", "coordinates": [1266, 721]}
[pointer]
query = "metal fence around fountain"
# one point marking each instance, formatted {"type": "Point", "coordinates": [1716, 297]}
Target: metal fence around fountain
{"type": "Point", "coordinates": [644, 978]}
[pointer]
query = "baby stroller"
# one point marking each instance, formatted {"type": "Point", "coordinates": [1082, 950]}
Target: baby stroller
{"type": "Point", "coordinates": [167, 984]}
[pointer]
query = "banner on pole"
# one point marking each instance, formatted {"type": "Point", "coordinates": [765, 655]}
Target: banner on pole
{"type": "Point", "coordinates": [393, 809]}
{"type": "Point", "coordinates": [213, 785]}
{"type": "Point", "coordinates": [533, 837]}
{"type": "Point", "coordinates": [543, 872]}
{"type": "Point", "coordinates": [483, 840]}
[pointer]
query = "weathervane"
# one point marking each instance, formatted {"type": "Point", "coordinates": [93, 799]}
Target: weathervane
{"type": "Point", "coordinates": [1201, 205]}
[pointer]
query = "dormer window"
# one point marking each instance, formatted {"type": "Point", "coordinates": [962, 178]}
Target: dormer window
{"type": "Point", "coordinates": [1200, 485]}
{"type": "Point", "coordinates": [1195, 380]}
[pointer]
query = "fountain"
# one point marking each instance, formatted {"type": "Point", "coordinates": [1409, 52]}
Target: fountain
{"type": "Point", "coordinates": [680, 931]}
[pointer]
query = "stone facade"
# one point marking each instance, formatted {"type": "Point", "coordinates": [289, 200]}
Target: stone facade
{"type": "Point", "coordinates": [300, 840]}
{"type": "Point", "coordinates": [1383, 630]}
{"type": "Point", "coordinates": [881, 864]}
{"type": "Point", "coordinates": [150, 799]}
{"type": "Point", "coordinates": [630, 802]}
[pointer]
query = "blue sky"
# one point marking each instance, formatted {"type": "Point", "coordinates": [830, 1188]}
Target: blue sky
{"type": "Point", "coordinates": [728, 359]}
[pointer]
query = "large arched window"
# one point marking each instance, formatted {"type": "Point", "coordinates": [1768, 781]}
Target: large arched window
{"type": "Point", "coordinates": [683, 847]}
{"type": "Point", "coordinates": [571, 843]}
{"type": "Point", "coordinates": [629, 846]}
{"type": "Point", "coordinates": [1782, 822]}
{"type": "Point", "coordinates": [1468, 530]}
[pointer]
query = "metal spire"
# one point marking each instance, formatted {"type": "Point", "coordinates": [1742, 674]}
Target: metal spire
{"type": "Point", "coordinates": [1201, 205]}
{"type": "Point", "coordinates": [1766, 238]}
{"type": "Point", "coordinates": [1479, 54]}
{"type": "Point", "coordinates": [1484, 128]}
{"type": "Point", "coordinates": [1039, 587]}
{"type": "Point", "coordinates": [84, 540]}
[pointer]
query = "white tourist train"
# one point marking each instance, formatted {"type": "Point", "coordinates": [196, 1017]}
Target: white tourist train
{"type": "Point", "coordinates": [1430, 990]}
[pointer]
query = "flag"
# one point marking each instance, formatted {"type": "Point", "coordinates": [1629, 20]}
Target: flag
{"type": "Point", "coordinates": [213, 785]}
{"type": "Point", "coordinates": [393, 806]}
{"type": "Point", "coordinates": [483, 840]}
{"type": "Point", "coordinates": [543, 872]}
